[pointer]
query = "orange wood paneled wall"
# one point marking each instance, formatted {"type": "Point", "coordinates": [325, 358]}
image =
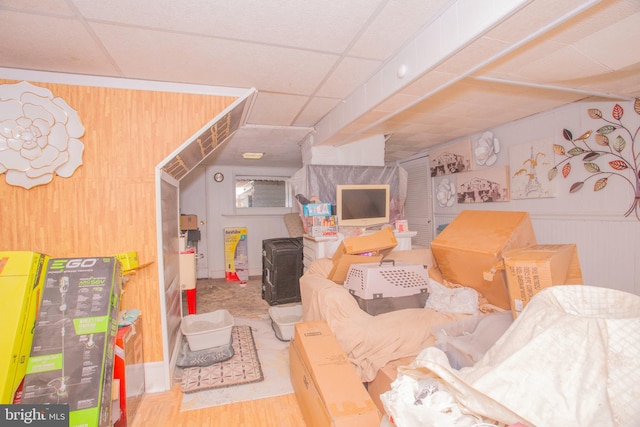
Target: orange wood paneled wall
{"type": "Point", "coordinates": [108, 205]}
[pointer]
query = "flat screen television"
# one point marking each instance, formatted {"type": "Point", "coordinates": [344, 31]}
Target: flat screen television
{"type": "Point", "coordinates": [362, 205]}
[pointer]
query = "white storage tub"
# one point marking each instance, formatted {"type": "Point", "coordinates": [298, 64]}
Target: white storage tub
{"type": "Point", "coordinates": [207, 330]}
{"type": "Point", "coordinates": [283, 318]}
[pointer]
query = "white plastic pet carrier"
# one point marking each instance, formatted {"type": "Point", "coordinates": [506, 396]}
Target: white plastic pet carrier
{"type": "Point", "coordinates": [387, 279]}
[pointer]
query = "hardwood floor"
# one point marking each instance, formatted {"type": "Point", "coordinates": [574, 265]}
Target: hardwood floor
{"type": "Point", "coordinates": [163, 409]}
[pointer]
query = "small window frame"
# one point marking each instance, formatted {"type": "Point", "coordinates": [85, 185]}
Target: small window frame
{"type": "Point", "coordinates": [275, 210]}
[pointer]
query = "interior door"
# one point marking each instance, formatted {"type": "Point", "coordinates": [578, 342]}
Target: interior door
{"type": "Point", "coordinates": [418, 208]}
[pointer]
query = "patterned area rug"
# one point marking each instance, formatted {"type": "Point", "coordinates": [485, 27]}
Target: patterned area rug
{"type": "Point", "coordinates": [274, 359]}
{"type": "Point", "coordinates": [243, 368]}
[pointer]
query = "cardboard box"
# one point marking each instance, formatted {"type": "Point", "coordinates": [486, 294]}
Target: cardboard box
{"type": "Point", "coordinates": [469, 250]}
{"type": "Point", "coordinates": [531, 269]}
{"type": "Point", "coordinates": [385, 376]}
{"type": "Point", "coordinates": [316, 209]}
{"type": "Point", "coordinates": [188, 222]}
{"type": "Point", "coordinates": [318, 226]}
{"type": "Point", "coordinates": [327, 387]}
{"type": "Point", "coordinates": [21, 281]}
{"type": "Point", "coordinates": [72, 353]}
{"type": "Point", "coordinates": [129, 371]}
{"type": "Point", "coordinates": [361, 250]}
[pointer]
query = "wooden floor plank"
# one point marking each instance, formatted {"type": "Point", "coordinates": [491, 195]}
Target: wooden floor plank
{"type": "Point", "coordinates": [163, 409]}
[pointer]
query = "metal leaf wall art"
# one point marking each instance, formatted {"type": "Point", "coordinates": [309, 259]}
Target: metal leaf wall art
{"type": "Point", "coordinates": [614, 154]}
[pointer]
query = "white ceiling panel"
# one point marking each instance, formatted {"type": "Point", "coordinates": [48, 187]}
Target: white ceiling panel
{"type": "Point", "coordinates": [315, 110]}
{"type": "Point", "coordinates": [276, 109]}
{"type": "Point", "coordinates": [323, 25]}
{"type": "Point", "coordinates": [167, 56]}
{"type": "Point", "coordinates": [57, 7]}
{"type": "Point", "coordinates": [397, 23]}
{"type": "Point", "coordinates": [608, 47]}
{"type": "Point", "coordinates": [603, 15]}
{"type": "Point", "coordinates": [340, 63]}
{"type": "Point", "coordinates": [347, 76]}
{"type": "Point", "coordinates": [50, 43]}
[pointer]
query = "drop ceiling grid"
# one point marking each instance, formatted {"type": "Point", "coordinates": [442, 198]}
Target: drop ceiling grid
{"type": "Point", "coordinates": [397, 23]}
{"type": "Point", "coordinates": [609, 49]}
{"type": "Point", "coordinates": [48, 40]}
{"type": "Point", "coordinates": [284, 23]}
{"type": "Point", "coordinates": [276, 109]}
{"type": "Point", "coordinates": [130, 49]}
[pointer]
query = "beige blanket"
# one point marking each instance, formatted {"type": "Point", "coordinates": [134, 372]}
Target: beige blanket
{"type": "Point", "coordinates": [570, 359]}
{"type": "Point", "coordinates": [370, 342]}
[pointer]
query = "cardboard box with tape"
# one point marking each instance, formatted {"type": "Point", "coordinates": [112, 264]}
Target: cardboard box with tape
{"type": "Point", "coordinates": [188, 222]}
{"type": "Point", "coordinates": [361, 250]}
{"type": "Point", "coordinates": [531, 269]}
{"type": "Point", "coordinates": [469, 250]}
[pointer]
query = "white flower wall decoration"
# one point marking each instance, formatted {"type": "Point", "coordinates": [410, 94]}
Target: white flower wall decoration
{"type": "Point", "coordinates": [446, 193]}
{"type": "Point", "coordinates": [486, 149]}
{"type": "Point", "coordinates": [38, 136]}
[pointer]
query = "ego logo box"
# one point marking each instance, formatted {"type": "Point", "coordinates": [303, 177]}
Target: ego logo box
{"type": "Point", "coordinates": [72, 353]}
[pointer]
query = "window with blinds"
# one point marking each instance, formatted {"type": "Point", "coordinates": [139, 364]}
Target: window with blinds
{"type": "Point", "coordinates": [262, 192]}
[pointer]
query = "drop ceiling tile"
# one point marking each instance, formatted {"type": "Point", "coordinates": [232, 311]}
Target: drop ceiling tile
{"type": "Point", "coordinates": [276, 143]}
{"type": "Point", "coordinates": [625, 82]}
{"type": "Point", "coordinates": [316, 109]}
{"type": "Point", "coordinates": [50, 43]}
{"type": "Point", "coordinates": [276, 109]}
{"type": "Point", "coordinates": [399, 21]}
{"type": "Point", "coordinates": [561, 64]}
{"type": "Point", "coordinates": [602, 15]}
{"type": "Point", "coordinates": [607, 47]}
{"type": "Point", "coordinates": [471, 56]}
{"type": "Point", "coordinates": [328, 26]}
{"type": "Point", "coordinates": [348, 75]}
{"type": "Point", "coordinates": [180, 57]}
{"type": "Point", "coordinates": [57, 7]}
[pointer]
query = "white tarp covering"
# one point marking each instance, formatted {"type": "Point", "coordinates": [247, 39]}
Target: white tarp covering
{"type": "Point", "coordinates": [572, 358]}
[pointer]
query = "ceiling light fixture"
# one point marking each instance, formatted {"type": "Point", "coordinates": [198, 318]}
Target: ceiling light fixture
{"type": "Point", "coordinates": [252, 156]}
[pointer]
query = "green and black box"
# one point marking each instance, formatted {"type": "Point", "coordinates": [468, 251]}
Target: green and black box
{"type": "Point", "coordinates": [71, 360]}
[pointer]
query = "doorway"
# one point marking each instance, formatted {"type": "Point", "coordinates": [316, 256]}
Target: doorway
{"type": "Point", "coordinates": [418, 208]}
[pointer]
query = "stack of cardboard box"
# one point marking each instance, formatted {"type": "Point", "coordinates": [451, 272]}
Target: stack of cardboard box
{"type": "Point", "coordinates": [319, 219]}
{"type": "Point", "coordinates": [496, 253]}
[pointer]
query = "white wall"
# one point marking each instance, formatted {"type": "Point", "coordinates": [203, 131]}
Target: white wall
{"type": "Point", "coordinates": [607, 240]}
{"type": "Point", "coordinates": [368, 151]}
{"type": "Point", "coordinates": [214, 203]}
